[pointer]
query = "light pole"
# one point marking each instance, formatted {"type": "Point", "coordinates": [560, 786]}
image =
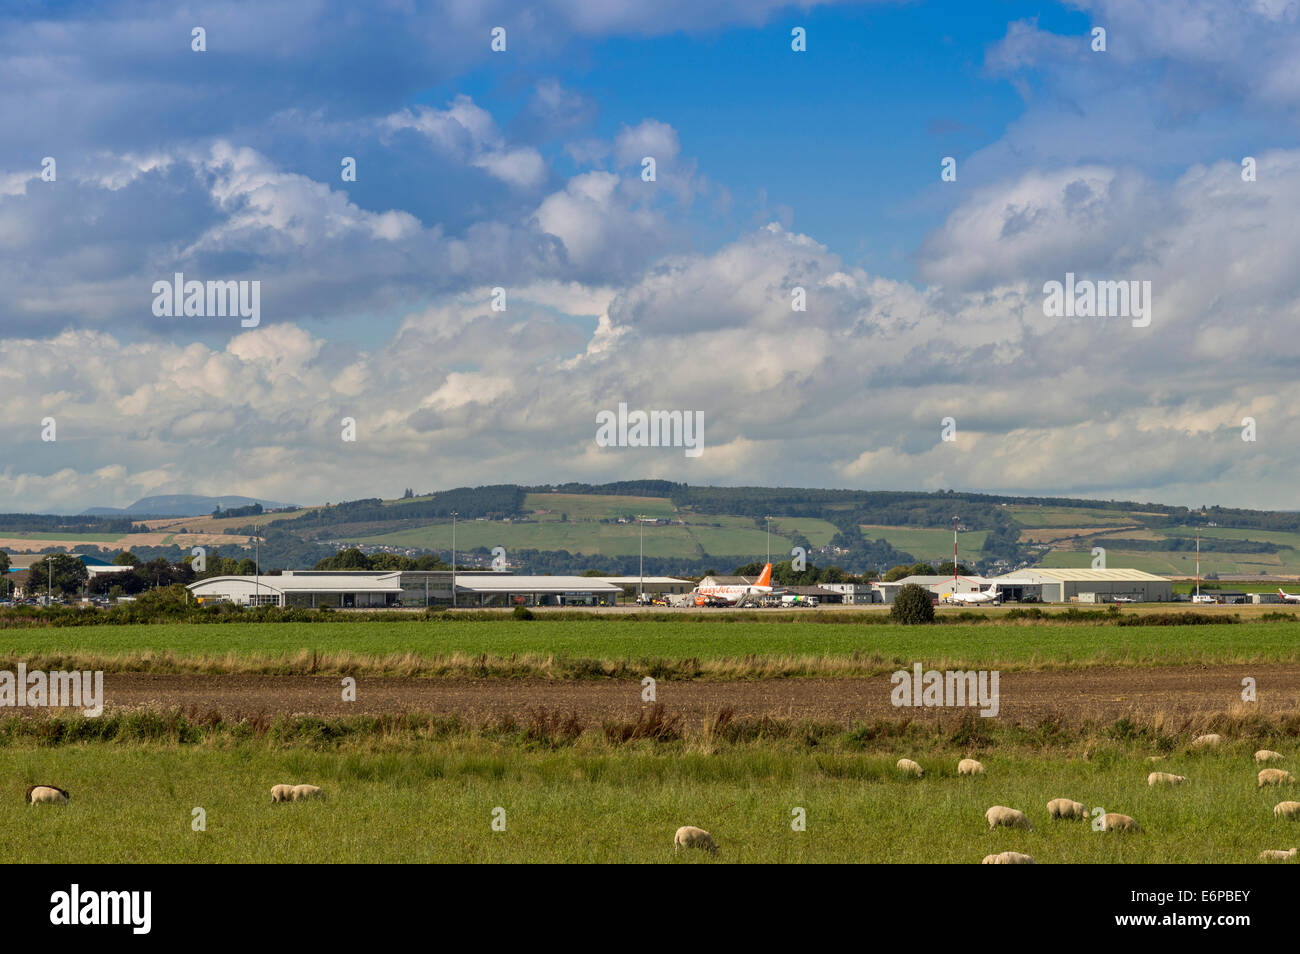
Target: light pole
{"type": "Point", "coordinates": [769, 538]}
{"type": "Point", "coordinates": [640, 590]}
{"type": "Point", "coordinates": [453, 557]}
{"type": "Point", "coordinates": [257, 564]}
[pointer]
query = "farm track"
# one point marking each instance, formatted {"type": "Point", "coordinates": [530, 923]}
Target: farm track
{"type": "Point", "coordinates": [1098, 694]}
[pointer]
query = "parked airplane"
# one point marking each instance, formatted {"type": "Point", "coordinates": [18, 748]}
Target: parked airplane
{"type": "Point", "coordinates": [1204, 598]}
{"type": "Point", "coordinates": [1288, 597]}
{"type": "Point", "coordinates": [731, 595]}
{"type": "Point", "coordinates": [991, 595]}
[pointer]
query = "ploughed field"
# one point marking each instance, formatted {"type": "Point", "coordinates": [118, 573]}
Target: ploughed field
{"type": "Point", "coordinates": [1095, 694]}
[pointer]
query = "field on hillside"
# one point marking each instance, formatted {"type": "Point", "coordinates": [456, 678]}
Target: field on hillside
{"type": "Point", "coordinates": [929, 545]}
{"type": "Point", "coordinates": [1181, 563]}
{"type": "Point", "coordinates": [431, 794]}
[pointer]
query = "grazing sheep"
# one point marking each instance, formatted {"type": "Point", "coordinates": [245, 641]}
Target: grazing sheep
{"type": "Point", "coordinates": [307, 791]}
{"type": "Point", "coordinates": [1117, 822]}
{"type": "Point", "coordinates": [911, 768]}
{"type": "Point", "coordinates": [969, 767]}
{"type": "Point", "coordinates": [282, 793]}
{"type": "Point", "coordinates": [49, 794]}
{"type": "Point", "coordinates": [1001, 815]}
{"type": "Point", "coordinates": [1275, 777]}
{"type": "Point", "coordinates": [1206, 741]}
{"type": "Point", "coordinates": [1273, 854]}
{"type": "Point", "coordinates": [1065, 808]}
{"type": "Point", "coordinates": [1268, 755]}
{"type": "Point", "coordinates": [688, 836]}
{"type": "Point", "coordinates": [1286, 810]}
{"type": "Point", "coordinates": [1008, 858]}
{"type": "Point", "coordinates": [1165, 778]}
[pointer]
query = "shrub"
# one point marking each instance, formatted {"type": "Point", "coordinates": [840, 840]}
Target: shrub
{"type": "Point", "coordinates": [522, 612]}
{"type": "Point", "coordinates": [913, 604]}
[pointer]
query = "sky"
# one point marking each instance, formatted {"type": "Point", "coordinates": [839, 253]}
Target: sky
{"type": "Point", "coordinates": [501, 271]}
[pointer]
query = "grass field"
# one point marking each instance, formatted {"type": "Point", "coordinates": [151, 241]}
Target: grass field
{"type": "Point", "coordinates": [1181, 563]}
{"type": "Point", "coordinates": [795, 646]}
{"type": "Point", "coordinates": [403, 798]}
{"type": "Point", "coordinates": [928, 544]}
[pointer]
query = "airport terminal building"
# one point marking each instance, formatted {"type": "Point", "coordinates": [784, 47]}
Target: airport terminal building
{"type": "Point", "coordinates": [374, 589]}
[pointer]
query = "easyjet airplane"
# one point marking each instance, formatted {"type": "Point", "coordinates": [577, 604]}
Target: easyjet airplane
{"type": "Point", "coordinates": [731, 595]}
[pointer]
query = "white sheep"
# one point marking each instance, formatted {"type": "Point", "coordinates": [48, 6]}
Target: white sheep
{"type": "Point", "coordinates": [1273, 854]}
{"type": "Point", "coordinates": [1066, 808]}
{"type": "Point", "coordinates": [1206, 741]}
{"type": "Point", "coordinates": [48, 794]}
{"type": "Point", "coordinates": [908, 767]}
{"type": "Point", "coordinates": [970, 767]}
{"type": "Point", "coordinates": [1275, 777]}
{"type": "Point", "coordinates": [1001, 815]}
{"type": "Point", "coordinates": [282, 793]}
{"type": "Point", "coordinates": [1268, 755]}
{"type": "Point", "coordinates": [307, 791]}
{"type": "Point", "coordinates": [688, 836]}
{"type": "Point", "coordinates": [1117, 822]}
{"type": "Point", "coordinates": [1165, 778]}
{"type": "Point", "coordinates": [1286, 810]}
{"type": "Point", "coordinates": [1008, 858]}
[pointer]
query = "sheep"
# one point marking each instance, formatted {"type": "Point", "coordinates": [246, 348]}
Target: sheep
{"type": "Point", "coordinates": [307, 791]}
{"type": "Point", "coordinates": [909, 767]}
{"type": "Point", "coordinates": [1116, 822]}
{"type": "Point", "coordinates": [1165, 778]}
{"type": "Point", "coordinates": [1268, 755]}
{"type": "Point", "coordinates": [49, 794]}
{"type": "Point", "coordinates": [1275, 777]}
{"type": "Point", "coordinates": [969, 767]}
{"type": "Point", "coordinates": [1273, 854]}
{"type": "Point", "coordinates": [282, 793]}
{"type": "Point", "coordinates": [1206, 741]}
{"type": "Point", "coordinates": [1065, 808]}
{"type": "Point", "coordinates": [1008, 858]}
{"type": "Point", "coordinates": [688, 836]}
{"type": "Point", "coordinates": [1001, 815]}
{"type": "Point", "coordinates": [1286, 810]}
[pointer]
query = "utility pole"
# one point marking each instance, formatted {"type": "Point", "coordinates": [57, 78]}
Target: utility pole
{"type": "Point", "coordinates": [769, 538]}
{"type": "Point", "coordinates": [453, 558]}
{"type": "Point", "coordinates": [640, 590]}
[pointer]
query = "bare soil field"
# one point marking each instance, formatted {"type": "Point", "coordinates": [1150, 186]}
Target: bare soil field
{"type": "Point", "coordinates": [1099, 694]}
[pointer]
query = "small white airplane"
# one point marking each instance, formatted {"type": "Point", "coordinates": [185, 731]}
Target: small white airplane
{"type": "Point", "coordinates": [1124, 599]}
{"type": "Point", "coordinates": [731, 595]}
{"type": "Point", "coordinates": [1288, 597]}
{"type": "Point", "coordinates": [1204, 598]}
{"type": "Point", "coordinates": [991, 595]}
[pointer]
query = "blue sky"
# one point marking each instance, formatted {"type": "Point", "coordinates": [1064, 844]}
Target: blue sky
{"type": "Point", "coordinates": [776, 169]}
